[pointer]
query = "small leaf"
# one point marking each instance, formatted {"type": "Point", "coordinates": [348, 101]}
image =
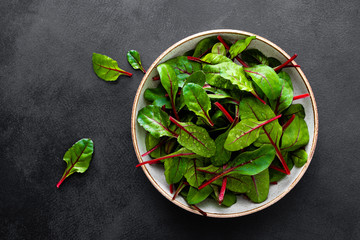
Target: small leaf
{"type": "Point", "coordinates": [219, 48]}
{"type": "Point", "coordinates": [197, 101]}
{"type": "Point", "coordinates": [192, 175]}
{"type": "Point", "coordinates": [222, 156]}
{"type": "Point", "coordinates": [299, 157]}
{"type": "Point", "coordinates": [77, 158]}
{"type": "Point", "coordinates": [260, 188]}
{"type": "Point", "coordinates": [296, 135]}
{"type": "Point", "coordinates": [196, 196]}
{"type": "Point", "coordinates": [240, 46]}
{"type": "Point", "coordinates": [267, 79]}
{"type": "Point", "coordinates": [106, 68]}
{"type": "Point", "coordinates": [175, 169]}
{"type": "Point", "coordinates": [155, 121]}
{"type": "Point", "coordinates": [133, 58]}
{"type": "Point", "coordinates": [204, 46]}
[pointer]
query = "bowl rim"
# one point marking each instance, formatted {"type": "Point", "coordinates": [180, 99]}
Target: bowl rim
{"type": "Point", "coordinates": [134, 114]}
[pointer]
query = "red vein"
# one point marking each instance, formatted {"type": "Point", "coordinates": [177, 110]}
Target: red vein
{"type": "Point", "coordinates": [182, 185]}
{"type": "Point", "coordinates": [226, 113]}
{"type": "Point", "coordinates": [195, 59]}
{"type": "Point", "coordinates": [202, 109]}
{"type": "Point", "coordinates": [254, 181]}
{"type": "Point", "coordinates": [153, 149]}
{"type": "Point", "coordinates": [257, 96]}
{"type": "Point", "coordinates": [301, 96]}
{"type": "Point", "coordinates": [277, 169]}
{"type": "Point", "coordinates": [117, 70]}
{"type": "Point", "coordinates": [278, 68]}
{"type": "Point", "coordinates": [288, 122]}
{"type": "Point", "coordinates": [165, 157]}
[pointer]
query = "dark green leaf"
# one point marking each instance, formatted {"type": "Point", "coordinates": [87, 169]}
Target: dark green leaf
{"type": "Point", "coordinates": [197, 100]}
{"type": "Point", "coordinates": [235, 182]}
{"type": "Point", "coordinates": [273, 62]}
{"type": "Point", "coordinates": [155, 121]}
{"type": "Point", "coordinates": [77, 158]}
{"type": "Point", "coordinates": [150, 143]}
{"type": "Point", "coordinates": [196, 196]}
{"type": "Point", "coordinates": [151, 94]}
{"type": "Point", "coordinates": [196, 139]}
{"type": "Point", "coordinates": [275, 175]}
{"type": "Point", "coordinates": [260, 188]}
{"type": "Point", "coordinates": [286, 96]}
{"type": "Point", "coordinates": [197, 77]}
{"type": "Point", "coordinates": [204, 45]}
{"type": "Point", "coordinates": [168, 80]}
{"type": "Point", "coordinates": [219, 48]}
{"type": "Point", "coordinates": [299, 157]}
{"type": "Point", "coordinates": [267, 79]}
{"type": "Point", "coordinates": [106, 68]}
{"type": "Point", "coordinates": [240, 46]}
{"type": "Point", "coordinates": [133, 58]}
{"type": "Point", "coordinates": [175, 169]}
{"type": "Point", "coordinates": [222, 156]}
{"type": "Point", "coordinates": [296, 135]}
{"type": "Point", "coordinates": [296, 109]}
{"type": "Point", "coordinates": [254, 57]}
{"type": "Point", "coordinates": [229, 198]}
{"type": "Point", "coordinates": [192, 175]}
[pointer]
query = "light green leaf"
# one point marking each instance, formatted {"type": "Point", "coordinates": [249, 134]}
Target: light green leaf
{"type": "Point", "coordinates": [240, 46]}
{"type": "Point", "coordinates": [133, 58]}
{"type": "Point", "coordinates": [106, 68]}
{"type": "Point", "coordinates": [219, 48]}
{"type": "Point", "coordinates": [196, 196]}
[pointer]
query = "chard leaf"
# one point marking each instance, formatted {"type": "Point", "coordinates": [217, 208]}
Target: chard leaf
{"type": "Point", "coordinates": [222, 156]}
{"type": "Point", "coordinates": [275, 175]}
{"type": "Point", "coordinates": [260, 187]}
{"type": "Point", "coordinates": [273, 62]}
{"type": "Point", "coordinates": [150, 143]}
{"type": "Point", "coordinates": [296, 135]}
{"type": "Point", "coordinates": [232, 72]}
{"type": "Point", "coordinates": [219, 48]}
{"type": "Point", "coordinates": [213, 58]}
{"type": "Point", "coordinates": [254, 57]}
{"type": "Point", "coordinates": [196, 139]}
{"type": "Point", "coordinates": [197, 77]}
{"type": "Point", "coordinates": [133, 58]}
{"type": "Point", "coordinates": [243, 134]}
{"type": "Point", "coordinates": [183, 68]}
{"type": "Point", "coordinates": [151, 94]}
{"type": "Point", "coordinates": [197, 101]}
{"type": "Point", "coordinates": [175, 169]}
{"type": "Point", "coordinates": [155, 121]}
{"type": "Point", "coordinates": [161, 101]}
{"type": "Point", "coordinates": [77, 158]}
{"type": "Point", "coordinates": [235, 182]}
{"type": "Point", "coordinates": [240, 46]}
{"type": "Point", "coordinates": [168, 80]}
{"type": "Point", "coordinates": [229, 198]}
{"type": "Point", "coordinates": [107, 68]}
{"type": "Point", "coordinates": [196, 196]}
{"type": "Point", "coordinates": [204, 46]}
{"type": "Point", "coordinates": [253, 162]}
{"type": "Point", "coordinates": [296, 109]}
{"type": "Point", "coordinates": [192, 175]}
{"type": "Point", "coordinates": [217, 93]}
{"type": "Point", "coordinates": [185, 151]}
{"type": "Point", "coordinates": [266, 79]}
{"type": "Point", "coordinates": [251, 108]}
{"type": "Point", "coordinates": [286, 95]}
{"type": "Point", "coordinates": [299, 157]}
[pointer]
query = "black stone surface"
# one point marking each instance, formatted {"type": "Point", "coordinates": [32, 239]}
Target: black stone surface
{"type": "Point", "coordinates": [50, 98]}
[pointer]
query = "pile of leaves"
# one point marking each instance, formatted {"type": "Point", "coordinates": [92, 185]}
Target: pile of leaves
{"type": "Point", "coordinates": [222, 122]}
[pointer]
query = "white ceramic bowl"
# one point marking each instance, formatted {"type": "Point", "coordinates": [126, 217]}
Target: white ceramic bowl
{"type": "Point", "coordinates": [155, 173]}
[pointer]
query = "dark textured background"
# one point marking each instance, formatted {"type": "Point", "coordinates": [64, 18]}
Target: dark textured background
{"type": "Point", "coordinates": [50, 98]}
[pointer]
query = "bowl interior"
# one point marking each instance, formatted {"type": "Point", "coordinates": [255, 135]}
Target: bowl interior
{"type": "Point", "coordinates": [242, 207]}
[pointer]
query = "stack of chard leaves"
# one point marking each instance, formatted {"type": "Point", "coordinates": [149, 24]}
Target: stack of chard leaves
{"type": "Point", "coordinates": [222, 127]}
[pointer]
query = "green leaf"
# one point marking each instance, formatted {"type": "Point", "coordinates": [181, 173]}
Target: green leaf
{"type": "Point", "coordinates": [183, 68]}
{"type": "Point", "coordinates": [204, 46]}
{"type": "Point", "coordinates": [229, 198]}
{"type": "Point", "coordinates": [106, 68]}
{"type": "Point", "coordinates": [273, 62]}
{"type": "Point", "coordinates": [217, 93]}
{"type": "Point", "coordinates": [175, 169]}
{"type": "Point", "coordinates": [197, 77]}
{"type": "Point", "coordinates": [266, 78]}
{"type": "Point", "coordinates": [286, 96]}
{"type": "Point", "coordinates": [197, 100]}
{"type": "Point", "coordinates": [155, 121]}
{"type": "Point", "coordinates": [243, 134]}
{"type": "Point", "coordinates": [133, 58]}
{"type": "Point", "coordinates": [196, 196]}
{"type": "Point", "coordinates": [235, 182]}
{"type": "Point", "coordinates": [150, 143]}
{"type": "Point", "coordinates": [240, 46]}
{"type": "Point", "coordinates": [296, 135]}
{"type": "Point", "coordinates": [260, 188]}
{"type": "Point", "coordinates": [232, 72]}
{"type": "Point", "coordinates": [251, 108]}
{"type": "Point", "coordinates": [219, 48]}
{"type": "Point", "coordinates": [213, 58]}
{"type": "Point", "coordinates": [253, 162]}
{"type": "Point", "coordinates": [196, 139]}
{"type": "Point", "coordinates": [275, 175]}
{"type": "Point", "coordinates": [192, 175]}
{"type": "Point", "coordinates": [77, 158]}
{"type": "Point", "coordinates": [151, 94]}
{"type": "Point", "coordinates": [299, 157]}
{"type": "Point", "coordinates": [222, 156]}
{"type": "Point", "coordinates": [296, 109]}
{"type": "Point", "coordinates": [254, 57]}
{"type": "Point", "coordinates": [168, 80]}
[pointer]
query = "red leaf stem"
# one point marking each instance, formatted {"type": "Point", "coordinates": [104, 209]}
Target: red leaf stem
{"type": "Point", "coordinates": [153, 149]}
{"type": "Point", "coordinates": [223, 189]}
{"type": "Point", "coordinates": [226, 113]}
{"type": "Point", "coordinates": [181, 186]}
{"type": "Point", "coordinates": [257, 96]}
{"type": "Point", "coordinates": [199, 210]}
{"type": "Point", "coordinates": [288, 122]}
{"type": "Point", "coordinates": [278, 68]}
{"type": "Point", "coordinates": [195, 59]}
{"type": "Point", "coordinates": [278, 169]}
{"type": "Point", "coordinates": [227, 47]}
{"type": "Point", "coordinates": [291, 65]}
{"type": "Point", "coordinates": [162, 158]}
{"type": "Point", "coordinates": [171, 188]}
{"type": "Point", "coordinates": [273, 183]}
{"type": "Point", "coordinates": [156, 78]}
{"type": "Point", "coordinates": [301, 96]}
